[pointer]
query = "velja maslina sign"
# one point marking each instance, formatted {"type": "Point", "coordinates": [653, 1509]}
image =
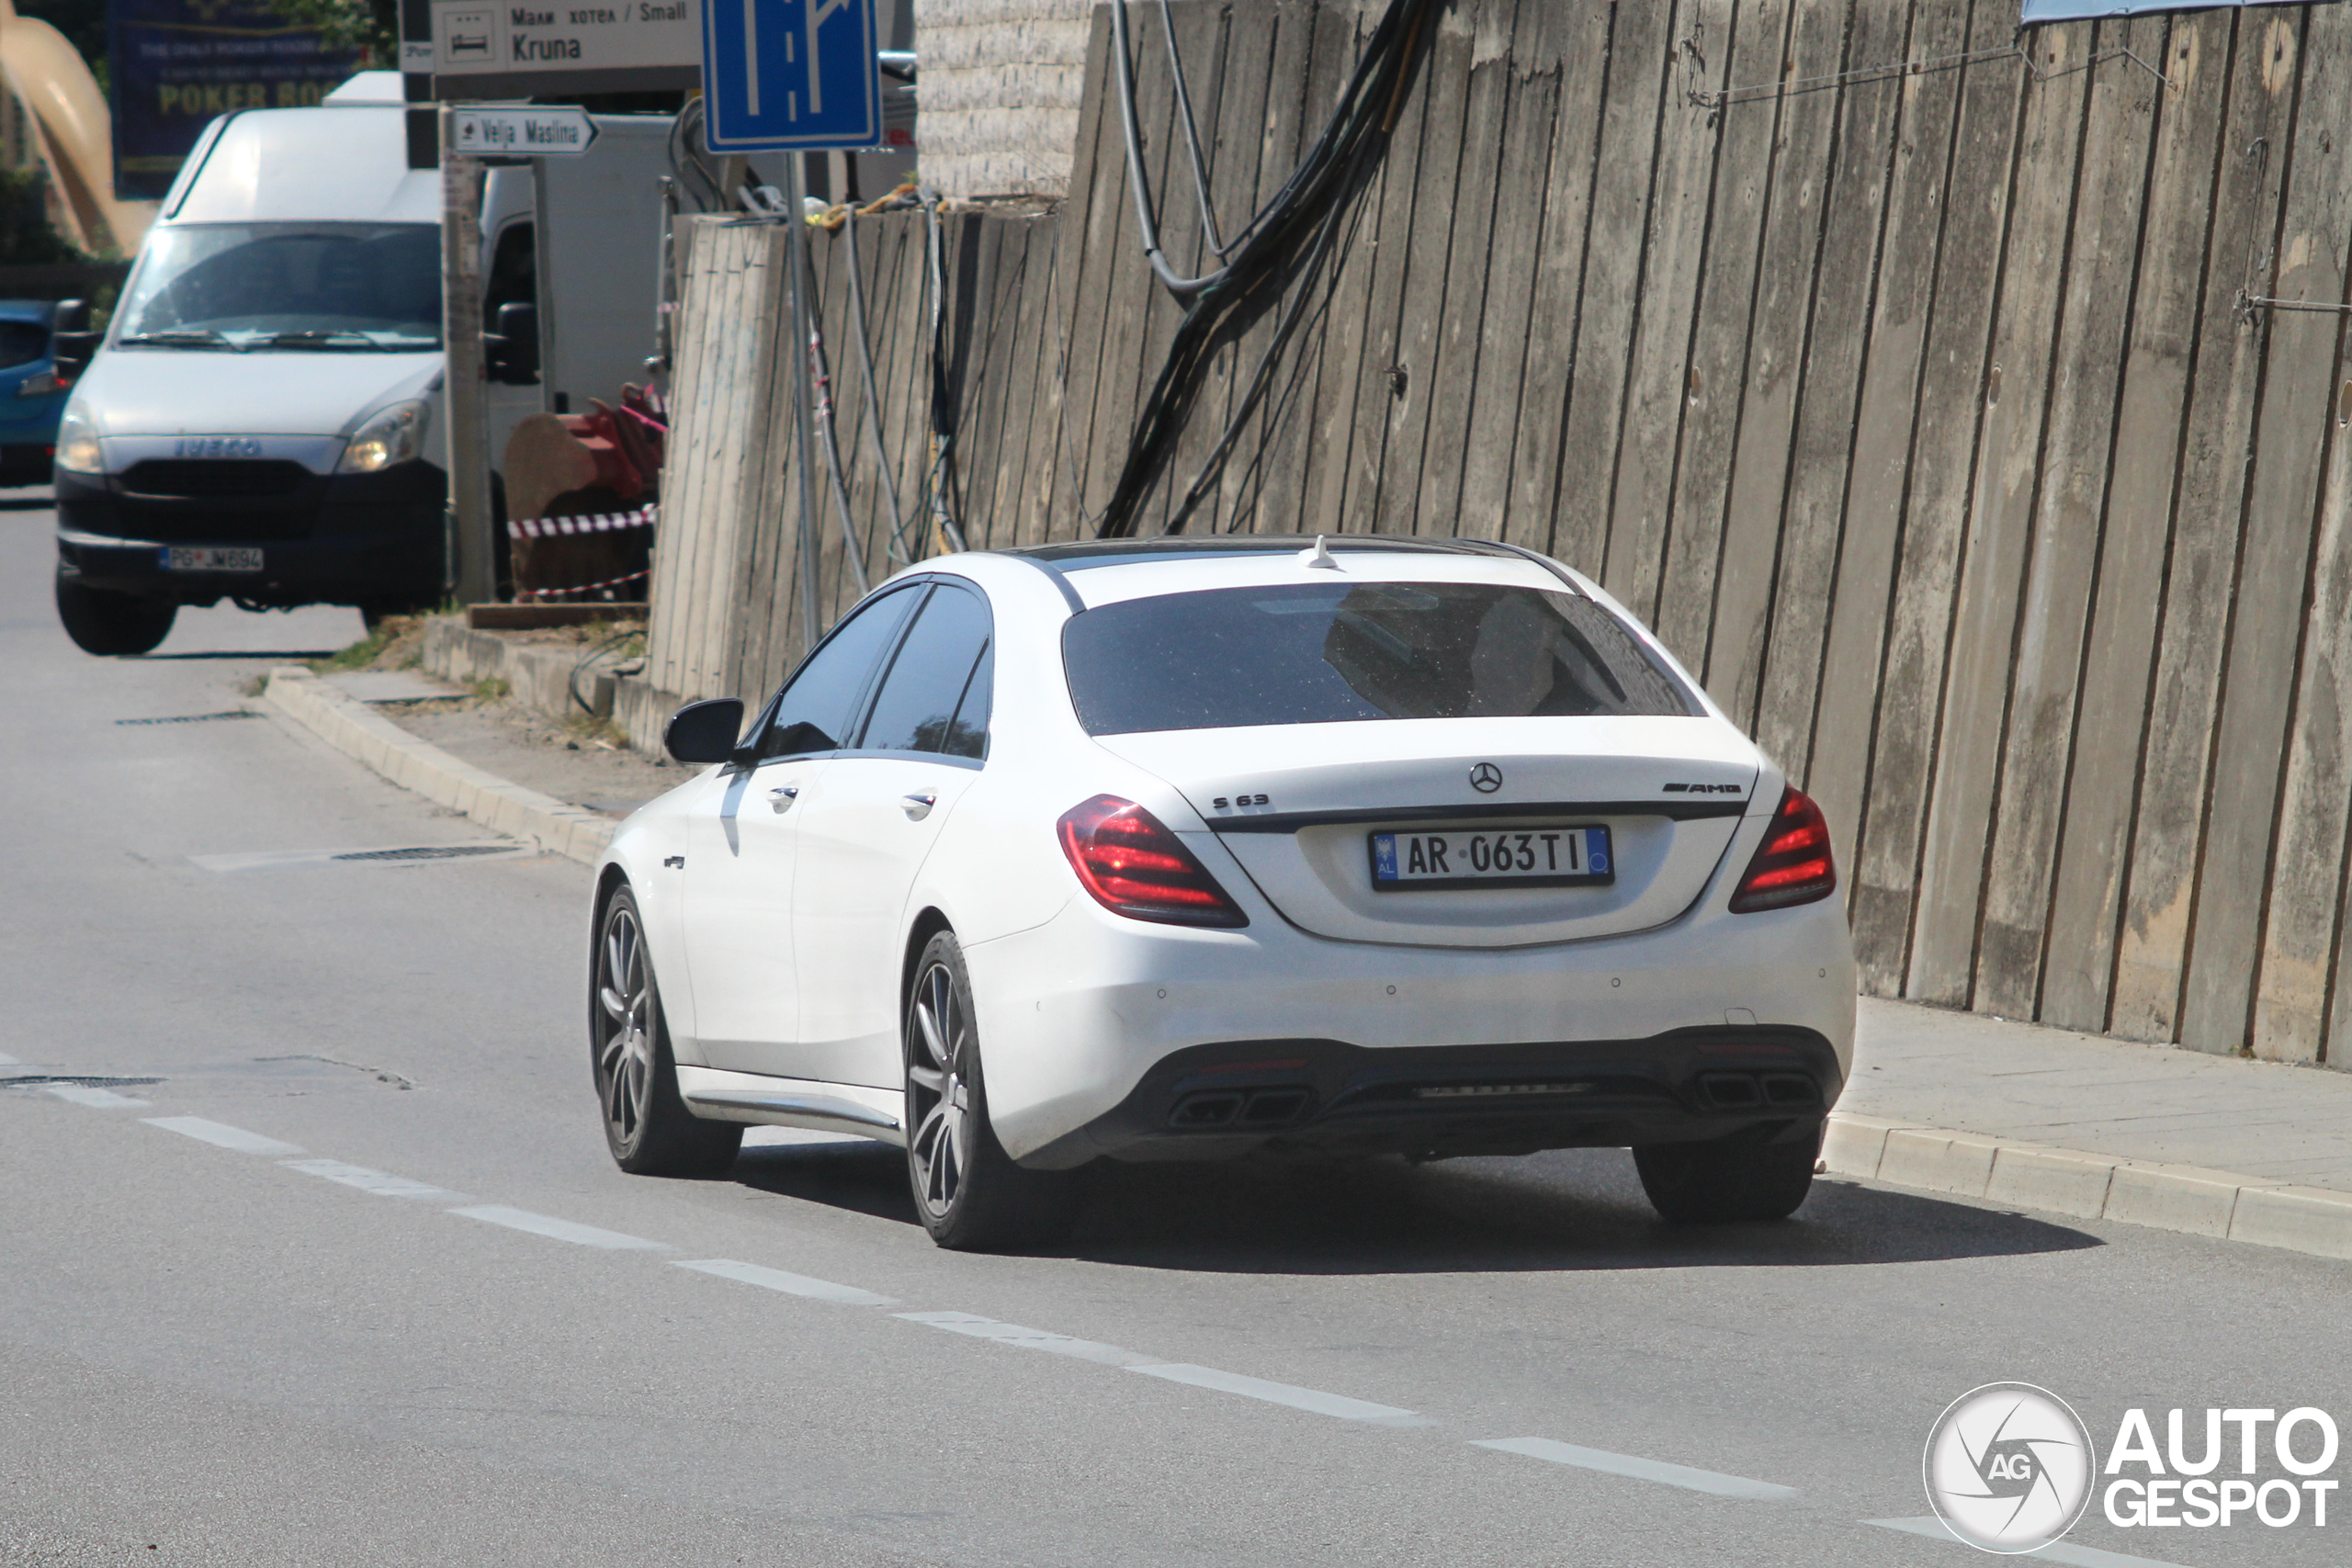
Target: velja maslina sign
{"type": "Point", "coordinates": [554, 132]}
{"type": "Point", "coordinates": [483, 50]}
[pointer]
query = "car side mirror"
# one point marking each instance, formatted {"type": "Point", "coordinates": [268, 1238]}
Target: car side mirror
{"type": "Point", "coordinates": [511, 354]}
{"type": "Point", "coordinates": [705, 732]}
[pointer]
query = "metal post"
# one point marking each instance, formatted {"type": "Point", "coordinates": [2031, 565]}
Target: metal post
{"type": "Point", "coordinates": [466, 394]}
{"type": "Point", "coordinates": [803, 396]}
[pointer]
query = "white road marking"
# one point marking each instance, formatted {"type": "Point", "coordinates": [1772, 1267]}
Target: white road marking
{"type": "Point", "coordinates": [1308, 1399]}
{"type": "Point", "coordinates": [790, 1284]}
{"type": "Point", "coordinates": [83, 1094]}
{"type": "Point", "coordinates": [558, 1230]}
{"type": "Point", "coordinates": [2056, 1551]}
{"type": "Point", "coordinates": [222, 1134]}
{"type": "Point", "coordinates": [1638, 1468]}
{"type": "Point", "coordinates": [382, 1183]}
{"type": "Point", "coordinates": [1027, 1338]}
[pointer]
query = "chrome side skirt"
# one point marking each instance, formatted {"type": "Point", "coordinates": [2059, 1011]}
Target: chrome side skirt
{"type": "Point", "coordinates": [760, 1100]}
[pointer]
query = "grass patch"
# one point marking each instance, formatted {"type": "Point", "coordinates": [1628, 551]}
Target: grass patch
{"type": "Point", "coordinates": [359, 655]}
{"type": "Point", "coordinates": [491, 688]}
{"type": "Point", "coordinates": [596, 731]}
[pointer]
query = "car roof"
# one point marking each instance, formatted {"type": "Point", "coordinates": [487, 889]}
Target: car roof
{"type": "Point", "coordinates": [1115, 570]}
{"type": "Point", "coordinates": [27, 311]}
{"type": "Point", "coordinates": [1081, 554]}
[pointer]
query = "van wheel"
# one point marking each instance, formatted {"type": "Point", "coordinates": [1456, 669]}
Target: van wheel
{"type": "Point", "coordinates": [971, 1197]}
{"type": "Point", "coordinates": [103, 622]}
{"type": "Point", "coordinates": [1729, 1181]}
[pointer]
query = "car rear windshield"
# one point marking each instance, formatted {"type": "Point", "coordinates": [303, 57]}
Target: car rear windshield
{"type": "Point", "coordinates": [1336, 653]}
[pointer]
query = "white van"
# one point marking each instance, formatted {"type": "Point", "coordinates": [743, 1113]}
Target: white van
{"type": "Point", "coordinates": [263, 421]}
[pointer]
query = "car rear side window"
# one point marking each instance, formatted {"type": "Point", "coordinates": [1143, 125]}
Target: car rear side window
{"type": "Point", "coordinates": [935, 697]}
{"type": "Point", "coordinates": [1335, 653]}
{"type": "Point", "coordinates": [820, 701]}
{"type": "Point", "coordinates": [21, 342]}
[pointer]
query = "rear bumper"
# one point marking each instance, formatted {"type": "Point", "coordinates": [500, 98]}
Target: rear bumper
{"type": "Point", "coordinates": [1097, 1031]}
{"type": "Point", "coordinates": [1326, 1097]}
{"type": "Point", "coordinates": [347, 538]}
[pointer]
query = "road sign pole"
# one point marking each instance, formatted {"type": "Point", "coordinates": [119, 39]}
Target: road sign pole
{"type": "Point", "coordinates": [804, 393]}
{"type": "Point", "coordinates": [465, 391]}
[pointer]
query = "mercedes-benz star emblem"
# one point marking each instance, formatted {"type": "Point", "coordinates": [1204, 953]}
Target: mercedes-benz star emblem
{"type": "Point", "coordinates": [1485, 778]}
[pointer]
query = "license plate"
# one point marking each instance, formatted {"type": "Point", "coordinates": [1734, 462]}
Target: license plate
{"type": "Point", "coordinates": [209, 558]}
{"type": "Point", "coordinates": [1495, 857]}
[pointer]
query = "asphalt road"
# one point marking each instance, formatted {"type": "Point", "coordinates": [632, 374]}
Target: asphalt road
{"type": "Point", "coordinates": [209, 1355]}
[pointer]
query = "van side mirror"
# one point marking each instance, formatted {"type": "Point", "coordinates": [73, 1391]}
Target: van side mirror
{"type": "Point", "coordinates": [71, 340]}
{"type": "Point", "coordinates": [705, 732]}
{"type": "Point", "coordinates": [71, 352]}
{"type": "Point", "coordinates": [511, 354]}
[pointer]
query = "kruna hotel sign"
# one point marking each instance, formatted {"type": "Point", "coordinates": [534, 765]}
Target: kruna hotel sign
{"type": "Point", "coordinates": [516, 49]}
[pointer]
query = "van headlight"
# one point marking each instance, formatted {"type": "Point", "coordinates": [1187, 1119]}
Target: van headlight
{"type": "Point", "coordinates": [390, 435]}
{"type": "Point", "coordinates": [77, 441]}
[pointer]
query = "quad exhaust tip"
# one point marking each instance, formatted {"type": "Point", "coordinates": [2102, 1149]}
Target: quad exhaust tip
{"type": "Point", "coordinates": [1757, 1091]}
{"type": "Point", "coordinates": [1262, 1108]}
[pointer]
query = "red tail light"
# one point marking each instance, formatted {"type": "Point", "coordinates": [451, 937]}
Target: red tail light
{"type": "Point", "coordinates": [1792, 865]}
{"type": "Point", "coordinates": [1135, 866]}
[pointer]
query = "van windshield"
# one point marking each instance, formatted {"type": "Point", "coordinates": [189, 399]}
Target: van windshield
{"type": "Point", "coordinates": [352, 288]}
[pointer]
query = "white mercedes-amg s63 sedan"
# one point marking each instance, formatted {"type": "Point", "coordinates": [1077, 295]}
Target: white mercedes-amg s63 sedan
{"type": "Point", "coordinates": [1192, 847]}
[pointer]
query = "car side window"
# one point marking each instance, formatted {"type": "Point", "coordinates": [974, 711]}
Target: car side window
{"type": "Point", "coordinates": [820, 702]}
{"type": "Point", "coordinates": [926, 701]}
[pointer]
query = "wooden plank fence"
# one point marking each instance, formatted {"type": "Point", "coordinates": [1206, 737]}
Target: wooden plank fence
{"type": "Point", "coordinates": [1921, 391]}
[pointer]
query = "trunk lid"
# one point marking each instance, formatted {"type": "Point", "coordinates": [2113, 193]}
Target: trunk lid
{"type": "Point", "coordinates": [1297, 805]}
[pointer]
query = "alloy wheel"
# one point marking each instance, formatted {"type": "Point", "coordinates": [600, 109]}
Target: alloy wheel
{"type": "Point", "coordinates": [625, 1052]}
{"type": "Point", "coordinates": [939, 1040]}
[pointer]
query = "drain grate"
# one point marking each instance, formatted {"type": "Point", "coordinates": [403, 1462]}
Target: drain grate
{"type": "Point", "coordinates": [193, 717]}
{"type": "Point", "coordinates": [83, 1081]}
{"type": "Point", "coordinates": [429, 851]}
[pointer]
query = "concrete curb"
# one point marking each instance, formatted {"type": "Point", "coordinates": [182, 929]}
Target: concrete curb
{"type": "Point", "coordinates": [2091, 1187]}
{"type": "Point", "coordinates": [356, 730]}
{"type": "Point", "coordinates": [537, 677]}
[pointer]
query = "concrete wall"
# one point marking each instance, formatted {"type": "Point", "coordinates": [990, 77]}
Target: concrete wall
{"type": "Point", "coordinates": [1002, 81]}
{"type": "Point", "coordinates": [1933, 417]}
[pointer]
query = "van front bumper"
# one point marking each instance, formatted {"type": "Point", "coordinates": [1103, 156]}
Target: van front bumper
{"type": "Point", "coordinates": [336, 540]}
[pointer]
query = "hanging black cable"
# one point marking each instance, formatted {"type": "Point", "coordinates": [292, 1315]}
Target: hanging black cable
{"type": "Point", "coordinates": [1303, 213]}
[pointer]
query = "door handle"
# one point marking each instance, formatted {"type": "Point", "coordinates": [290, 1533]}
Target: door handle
{"type": "Point", "coordinates": [918, 804]}
{"type": "Point", "coordinates": [782, 798]}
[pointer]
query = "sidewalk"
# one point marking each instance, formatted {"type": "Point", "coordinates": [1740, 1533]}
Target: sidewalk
{"type": "Point", "coordinates": [2155, 1103]}
{"type": "Point", "coordinates": [1950, 1102]}
{"type": "Point", "coordinates": [2066, 1123]}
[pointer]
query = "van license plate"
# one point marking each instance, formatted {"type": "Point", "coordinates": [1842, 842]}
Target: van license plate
{"type": "Point", "coordinates": [1498, 857]}
{"type": "Point", "coordinates": [209, 558]}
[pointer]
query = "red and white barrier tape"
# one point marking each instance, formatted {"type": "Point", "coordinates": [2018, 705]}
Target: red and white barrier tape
{"type": "Point", "coordinates": [600, 522]}
{"type": "Point", "coordinates": [532, 595]}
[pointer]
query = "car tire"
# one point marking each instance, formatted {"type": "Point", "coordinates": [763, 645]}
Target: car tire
{"type": "Point", "coordinates": [969, 1193]}
{"type": "Point", "coordinates": [1730, 1181]}
{"type": "Point", "coordinates": [647, 1124]}
{"type": "Point", "coordinates": [107, 624]}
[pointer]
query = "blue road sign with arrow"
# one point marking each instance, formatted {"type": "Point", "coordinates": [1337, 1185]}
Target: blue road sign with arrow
{"type": "Point", "coordinates": [790, 76]}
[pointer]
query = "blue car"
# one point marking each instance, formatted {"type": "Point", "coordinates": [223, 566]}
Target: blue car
{"type": "Point", "coordinates": [31, 396]}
